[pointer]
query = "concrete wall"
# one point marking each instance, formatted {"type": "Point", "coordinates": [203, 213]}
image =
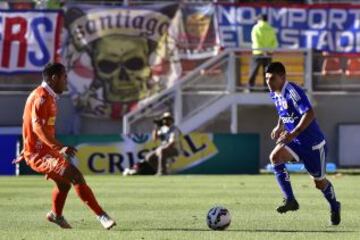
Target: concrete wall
{"type": "Point", "coordinates": [330, 110]}
{"type": "Point", "coordinates": [68, 122]}
{"type": "Point", "coordinates": [251, 119]}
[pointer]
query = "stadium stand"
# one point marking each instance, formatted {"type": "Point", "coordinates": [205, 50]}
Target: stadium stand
{"type": "Point", "coordinates": [331, 65]}
{"type": "Point", "coordinates": [337, 74]}
{"type": "Point", "coordinates": [295, 61]}
{"type": "Point", "coordinates": [353, 67]}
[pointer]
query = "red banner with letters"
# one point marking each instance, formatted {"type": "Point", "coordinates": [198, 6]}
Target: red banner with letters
{"type": "Point", "coordinates": [28, 39]}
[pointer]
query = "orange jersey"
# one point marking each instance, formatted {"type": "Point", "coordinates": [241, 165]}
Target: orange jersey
{"type": "Point", "coordinates": [39, 123]}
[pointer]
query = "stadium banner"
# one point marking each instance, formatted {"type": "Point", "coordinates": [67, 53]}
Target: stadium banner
{"type": "Point", "coordinates": [323, 27]}
{"type": "Point", "coordinates": [198, 38]}
{"type": "Point", "coordinates": [8, 143]}
{"type": "Point", "coordinates": [203, 153]}
{"type": "Point", "coordinates": [118, 55]}
{"type": "Point", "coordinates": [28, 39]}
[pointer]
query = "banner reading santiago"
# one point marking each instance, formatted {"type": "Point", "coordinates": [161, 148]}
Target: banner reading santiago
{"type": "Point", "coordinates": [28, 39]}
{"type": "Point", "coordinates": [117, 56]}
{"type": "Point", "coordinates": [324, 27]}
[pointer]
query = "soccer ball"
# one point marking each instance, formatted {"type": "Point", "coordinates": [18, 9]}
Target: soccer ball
{"type": "Point", "coordinates": [218, 218]}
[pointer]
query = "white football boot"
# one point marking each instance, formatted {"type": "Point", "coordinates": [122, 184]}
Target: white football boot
{"type": "Point", "coordinates": [106, 221]}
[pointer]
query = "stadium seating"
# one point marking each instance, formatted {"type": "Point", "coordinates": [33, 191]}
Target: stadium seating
{"type": "Point", "coordinates": [331, 66]}
{"type": "Point", "coordinates": [294, 63]}
{"type": "Point", "coordinates": [353, 67]}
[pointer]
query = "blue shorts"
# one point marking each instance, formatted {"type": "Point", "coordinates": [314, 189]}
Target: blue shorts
{"type": "Point", "coordinates": [314, 158]}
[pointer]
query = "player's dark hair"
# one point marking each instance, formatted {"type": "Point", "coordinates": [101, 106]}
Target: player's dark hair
{"type": "Point", "coordinates": [275, 67]}
{"type": "Point", "coordinates": [263, 17]}
{"type": "Point", "coordinates": [52, 69]}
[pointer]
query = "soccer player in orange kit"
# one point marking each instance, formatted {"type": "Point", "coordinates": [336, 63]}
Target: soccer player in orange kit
{"type": "Point", "coordinates": [46, 155]}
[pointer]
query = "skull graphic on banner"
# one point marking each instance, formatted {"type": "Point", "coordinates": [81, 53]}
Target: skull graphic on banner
{"type": "Point", "coordinates": [123, 68]}
{"type": "Point", "coordinates": [112, 54]}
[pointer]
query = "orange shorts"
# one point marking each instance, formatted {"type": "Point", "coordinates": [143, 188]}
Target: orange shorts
{"type": "Point", "coordinates": [52, 164]}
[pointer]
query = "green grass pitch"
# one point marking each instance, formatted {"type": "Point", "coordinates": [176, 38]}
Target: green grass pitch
{"type": "Point", "coordinates": [174, 207]}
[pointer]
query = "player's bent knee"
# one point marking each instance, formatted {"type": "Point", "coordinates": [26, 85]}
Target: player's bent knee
{"type": "Point", "coordinates": [321, 184]}
{"type": "Point", "coordinates": [280, 155]}
{"type": "Point", "coordinates": [275, 157]}
{"type": "Point", "coordinates": [64, 187]}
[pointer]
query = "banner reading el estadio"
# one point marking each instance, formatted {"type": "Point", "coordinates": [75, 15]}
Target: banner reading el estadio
{"type": "Point", "coordinates": [324, 27]}
{"type": "Point", "coordinates": [28, 39]}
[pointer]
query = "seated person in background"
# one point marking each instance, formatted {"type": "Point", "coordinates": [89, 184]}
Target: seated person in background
{"type": "Point", "coordinates": [158, 160]}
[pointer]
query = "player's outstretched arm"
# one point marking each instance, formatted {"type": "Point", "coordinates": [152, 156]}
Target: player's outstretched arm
{"type": "Point", "coordinates": [19, 158]}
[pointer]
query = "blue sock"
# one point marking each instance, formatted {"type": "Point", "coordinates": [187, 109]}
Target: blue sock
{"type": "Point", "coordinates": [283, 180]}
{"type": "Point", "coordinates": [329, 194]}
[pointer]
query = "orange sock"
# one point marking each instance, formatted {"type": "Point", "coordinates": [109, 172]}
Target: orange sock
{"type": "Point", "coordinates": [58, 200]}
{"type": "Point", "coordinates": [87, 196]}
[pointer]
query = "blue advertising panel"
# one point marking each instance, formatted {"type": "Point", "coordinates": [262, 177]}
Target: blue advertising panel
{"type": "Point", "coordinates": [7, 153]}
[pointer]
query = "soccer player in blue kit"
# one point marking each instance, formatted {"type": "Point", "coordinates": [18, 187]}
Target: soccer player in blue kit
{"type": "Point", "coordinates": [298, 137]}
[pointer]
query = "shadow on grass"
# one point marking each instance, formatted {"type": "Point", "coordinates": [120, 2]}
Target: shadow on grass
{"type": "Point", "coordinates": [243, 230]}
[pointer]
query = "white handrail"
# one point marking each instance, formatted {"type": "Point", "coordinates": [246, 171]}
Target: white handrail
{"type": "Point", "coordinates": [177, 90]}
{"type": "Point", "coordinates": [174, 88]}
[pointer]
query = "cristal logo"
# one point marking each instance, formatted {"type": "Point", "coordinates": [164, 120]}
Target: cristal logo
{"type": "Point", "coordinates": [289, 119]}
{"type": "Point", "coordinates": [114, 157]}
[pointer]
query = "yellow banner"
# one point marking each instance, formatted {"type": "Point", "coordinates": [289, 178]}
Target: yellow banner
{"type": "Point", "coordinates": [113, 158]}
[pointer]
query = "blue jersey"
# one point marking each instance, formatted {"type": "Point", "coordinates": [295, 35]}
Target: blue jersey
{"type": "Point", "coordinates": [291, 105]}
